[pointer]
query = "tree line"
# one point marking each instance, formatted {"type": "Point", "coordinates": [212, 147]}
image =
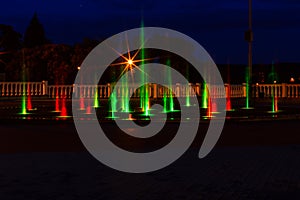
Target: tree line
{"type": "Point", "coordinates": [32, 57]}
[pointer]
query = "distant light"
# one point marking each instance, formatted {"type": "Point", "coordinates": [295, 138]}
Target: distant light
{"type": "Point", "coordinates": [256, 83]}
{"type": "Point", "coordinates": [292, 80]}
{"type": "Point", "coordinates": [78, 68]}
{"type": "Point", "coordinates": [130, 62]}
{"type": "Point", "coordinates": [275, 81]}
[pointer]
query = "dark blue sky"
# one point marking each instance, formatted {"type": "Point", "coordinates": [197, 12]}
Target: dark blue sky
{"type": "Point", "coordinates": [218, 25]}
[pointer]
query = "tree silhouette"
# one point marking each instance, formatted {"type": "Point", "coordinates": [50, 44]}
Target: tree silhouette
{"type": "Point", "coordinates": [10, 40]}
{"type": "Point", "coordinates": [35, 34]}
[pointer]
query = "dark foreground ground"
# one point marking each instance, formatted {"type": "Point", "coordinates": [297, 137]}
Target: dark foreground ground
{"type": "Point", "coordinates": [253, 160]}
{"type": "Point", "coordinates": [227, 173]}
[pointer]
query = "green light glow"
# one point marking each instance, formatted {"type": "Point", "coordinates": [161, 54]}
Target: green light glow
{"type": "Point", "coordinates": [187, 97]}
{"type": "Point", "coordinates": [204, 96]}
{"type": "Point", "coordinates": [273, 93]}
{"type": "Point", "coordinates": [96, 103]}
{"type": "Point", "coordinates": [247, 88]}
{"type": "Point", "coordinates": [165, 101]}
{"type": "Point", "coordinates": [144, 95]}
{"type": "Point", "coordinates": [171, 101]}
{"type": "Point", "coordinates": [187, 94]}
{"type": "Point", "coordinates": [113, 105]}
{"type": "Point", "coordinates": [142, 68]}
{"type": "Point", "coordinates": [273, 104]}
{"type": "Point", "coordinates": [125, 94]}
{"type": "Point", "coordinates": [24, 111]}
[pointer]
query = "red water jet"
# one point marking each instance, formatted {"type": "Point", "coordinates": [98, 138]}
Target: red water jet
{"type": "Point", "coordinates": [29, 105]}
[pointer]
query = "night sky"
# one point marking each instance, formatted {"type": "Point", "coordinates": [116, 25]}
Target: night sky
{"type": "Point", "coordinates": [218, 25]}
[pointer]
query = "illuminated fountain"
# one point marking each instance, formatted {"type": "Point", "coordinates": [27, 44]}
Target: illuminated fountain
{"type": "Point", "coordinates": [129, 62]}
{"type": "Point", "coordinates": [209, 109]}
{"type": "Point", "coordinates": [63, 112]}
{"type": "Point", "coordinates": [168, 100]}
{"type": "Point", "coordinates": [206, 101]}
{"type": "Point", "coordinates": [24, 107]}
{"type": "Point", "coordinates": [228, 100]}
{"type": "Point", "coordinates": [89, 107]}
{"type": "Point", "coordinates": [274, 104]}
{"type": "Point", "coordinates": [248, 89]}
{"type": "Point", "coordinates": [81, 103]}
{"type": "Point", "coordinates": [211, 103]}
{"type": "Point", "coordinates": [247, 103]}
{"type": "Point", "coordinates": [57, 109]}
{"type": "Point", "coordinates": [187, 92]}
{"type": "Point", "coordinates": [214, 108]}
{"type": "Point", "coordinates": [144, 92]}
{"type": "Point", "coordinates": [125, 92]}
{"type": "Point", "coordinates": [113, 98]}
{"type": "Point", "coordinates": [168, 95]}
{"type": "Point", "coordinates": [119, 99]}
{"type": "Point", "coordinates": [228, 91]}
{"type": "Point", "coordinates": [112, 106]}
{"type": "Point", "coordinates": [26, 93]}
{"type": "Point", "coordinates": [81, 98]}
{"type": "Point", "coordinates": [165, 101]}
{"type": "Point", "coordinates": [29, 104]}
{"type": "Point", "coordinates": [187, 97]}
{"type": "Point", "coordinates": [96, 102]}
{"type": "Point", "coordinates": [274, 92]}
{"type": "Point", "coordinates": [204, 96]}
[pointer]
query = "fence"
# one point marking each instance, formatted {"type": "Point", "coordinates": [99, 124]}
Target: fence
{"type": "Point", "coordinates": [14, 89]}
{"type": "Point", "coordinates": [23, 88]}
{"type": "Point", "coordinates": [279, 90]}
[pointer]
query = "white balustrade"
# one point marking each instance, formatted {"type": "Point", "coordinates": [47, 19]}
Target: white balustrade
{"type": "Point", "coordinates": [14, 89]}
{"type": "Point", "coordinates": [23, 88]}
